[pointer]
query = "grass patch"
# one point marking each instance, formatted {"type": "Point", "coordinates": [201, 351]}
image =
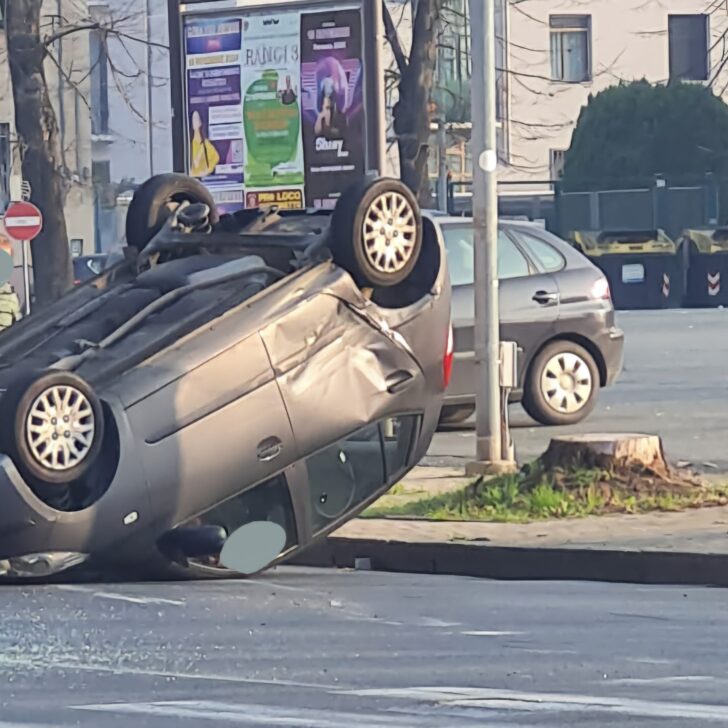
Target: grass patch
{"type": "Point", "coordinates": [536, 493]}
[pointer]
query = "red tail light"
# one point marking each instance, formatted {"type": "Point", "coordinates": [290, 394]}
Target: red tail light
{"type": "Point", "coordinates": [447, 362]}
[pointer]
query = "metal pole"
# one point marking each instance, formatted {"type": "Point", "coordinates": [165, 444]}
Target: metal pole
{"type": "Point", "coordinates": [26, 278]}
{"type": "Point", "coordinates": [150, 99]}
{"type": "Point", "coordinates": [373, 27]}
{"type": "Point", "coordinates": [442, 167]}
{"type": "Point", "coordinates": [485, 219]}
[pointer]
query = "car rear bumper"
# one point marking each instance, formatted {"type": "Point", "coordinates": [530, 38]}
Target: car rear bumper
{"type": "Point", "coordinates": [611, 345]}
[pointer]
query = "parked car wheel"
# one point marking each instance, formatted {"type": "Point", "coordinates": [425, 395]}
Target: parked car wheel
{"type": "Point", "coordinates": [562, 384]}
{"type": "Point", "coordinates": [377, 232]}
{"type": "Point", "coordinates": [157, 199]}
{"type": "Point", "coordinates": [455, 415]}
{"type": "Point", "coordinates": [52, 427]}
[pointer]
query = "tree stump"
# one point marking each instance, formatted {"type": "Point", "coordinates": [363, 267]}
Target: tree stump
{"type": "Point", "coordinates": [611, 451]}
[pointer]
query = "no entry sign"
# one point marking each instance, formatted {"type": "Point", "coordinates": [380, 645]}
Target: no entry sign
{"type": "Point", "coordinates": [23, 221]}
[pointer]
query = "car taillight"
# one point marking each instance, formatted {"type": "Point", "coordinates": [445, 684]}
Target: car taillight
{"type": "Point", "coordinates": [600, 289]}
{"type": "Point", "coordinates": [447, 361]}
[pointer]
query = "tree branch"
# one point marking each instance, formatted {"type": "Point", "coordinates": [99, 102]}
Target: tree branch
{"type": "Point", "coordinates": [393, 39]}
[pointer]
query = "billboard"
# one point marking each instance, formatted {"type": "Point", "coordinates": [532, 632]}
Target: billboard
{"type": "Point", "coordinates": [273, 102]}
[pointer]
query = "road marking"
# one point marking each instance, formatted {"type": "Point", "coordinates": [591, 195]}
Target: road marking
{"type": "Point", "coordinates": [485, 633]}
{"type": "Point", "coordinates": [665, 679]}
{"type": "Point", "coordinates": [50, 664]}
{"type": "Point", "coordinates": [264, 715]}
{"type": "Point", "coordinates": [121, 597]}
{"type": "Point", "coordinates": [513, 700]}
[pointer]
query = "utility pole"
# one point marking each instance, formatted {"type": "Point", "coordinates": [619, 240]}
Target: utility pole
{"type": "Point", "coordinates": [150, 93]}
{"type": "Point", "coordinates": [489, 449]}
{"type": "Point", "coordinates": [442, 196]}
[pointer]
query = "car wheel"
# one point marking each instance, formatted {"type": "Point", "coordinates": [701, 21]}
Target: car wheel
{"type": "Point", "coordinates": [562, 384]}
{"type": "Point", "coordinates": [52, 426]}
{"type": "Point", "coordinates": [455, 415]}
{"type": "Point", "coordinates": [377, 232]}
{"type": "Point", "coordinates": [157, 199]}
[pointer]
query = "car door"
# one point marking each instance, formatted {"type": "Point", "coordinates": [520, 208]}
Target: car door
{"type": "Point", "coordinates": [528, 299]}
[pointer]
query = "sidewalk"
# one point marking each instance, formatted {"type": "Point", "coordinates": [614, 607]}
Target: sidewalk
{"type": "Point", "coordinates": [688, 547]}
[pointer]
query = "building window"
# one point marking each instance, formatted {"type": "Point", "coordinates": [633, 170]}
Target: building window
{"type": "Point", "coordinates": [570, 48]}
{"type": "Point", "coordinates": [557, 157]}
{"type": "Point", "coordinates": [99, 84]}
{"type": "Point", "coordinates": [689, 52]}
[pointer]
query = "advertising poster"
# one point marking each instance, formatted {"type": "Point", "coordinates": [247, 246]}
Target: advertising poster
{"type": "Point", "coordinates": [333, 103]}
{"type": "Point", "coordinates": [271, 82]}
{"type": "Point", "coordinates": [216, 153]}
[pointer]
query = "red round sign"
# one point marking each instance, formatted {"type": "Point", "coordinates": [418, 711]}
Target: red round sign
{"type": "Point", "coordinates": [23, 220]}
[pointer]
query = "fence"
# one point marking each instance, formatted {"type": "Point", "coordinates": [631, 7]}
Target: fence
{"type": "Point", "coordinates": [672, 206]}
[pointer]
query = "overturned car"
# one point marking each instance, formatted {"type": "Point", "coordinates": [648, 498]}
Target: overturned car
{"type": "Point", "coordinates": [264, 370]}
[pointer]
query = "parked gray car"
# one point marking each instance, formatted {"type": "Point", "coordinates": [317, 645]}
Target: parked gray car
{"type": "Point", "coordinates": [258, 368]}
{"type": "Point", "coordinates": [554, 303]}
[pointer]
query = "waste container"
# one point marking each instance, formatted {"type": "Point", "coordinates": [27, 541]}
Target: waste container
{"type": "Point", "coordinates": [705, 255]}
{"type": "Point", "coordinates": [643, 267]}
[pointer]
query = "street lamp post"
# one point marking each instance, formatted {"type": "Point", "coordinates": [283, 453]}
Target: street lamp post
{"type": "Point", "coordinates": [489, 446]}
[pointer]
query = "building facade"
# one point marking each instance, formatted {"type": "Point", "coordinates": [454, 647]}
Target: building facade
{"type": "Point", "coordinates": [69, 89]}
{"type": "Point", "coordinates": [561, 51]}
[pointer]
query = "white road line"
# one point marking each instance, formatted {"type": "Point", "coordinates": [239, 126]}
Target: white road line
{"type": "Point", "coordinates": [664, 679]}
{"type": "Point", "coordinates": [121, 597]}
{"type": "Point", "coordinates": [267, 715]}
{"type": "Point", "coordinates": [27, 663]}
{"type": "Point", "coordinates": [485, 633]}
{"type": "Point", "coordinates": [551, 702]}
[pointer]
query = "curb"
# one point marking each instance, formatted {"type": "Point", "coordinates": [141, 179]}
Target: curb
{"type": "Point", "coordinates": [514, 563]}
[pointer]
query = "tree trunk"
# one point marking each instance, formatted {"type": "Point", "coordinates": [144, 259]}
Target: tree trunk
{"type": "Point", "coordinates": [38, 138]}
{"type": "Point", "coordinates": [608, 452]}
{"type": "Point", "coordinates": [412, 110]}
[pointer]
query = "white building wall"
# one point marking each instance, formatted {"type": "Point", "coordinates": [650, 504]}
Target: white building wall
{"type": "Point", "coordinates": [629, 41]}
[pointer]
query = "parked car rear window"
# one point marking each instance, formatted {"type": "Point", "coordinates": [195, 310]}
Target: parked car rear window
{"type": "Point", "coordinates": [547, 257]}
{"type": "Point", "coordinates": [459, 245]}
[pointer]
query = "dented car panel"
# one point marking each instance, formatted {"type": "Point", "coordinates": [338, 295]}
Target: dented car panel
{"type": "Point", "coordinates": [287, 393]}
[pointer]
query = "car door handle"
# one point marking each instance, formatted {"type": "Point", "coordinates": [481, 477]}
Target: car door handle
{"type": "Point", "coordinates": [398, 381]}
{"type": "Point", "coordinates": [269, 449]}
{"type": "Point", "coordinates": [546, 298]}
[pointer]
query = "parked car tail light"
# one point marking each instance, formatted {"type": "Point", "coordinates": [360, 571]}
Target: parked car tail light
{"type": "Point", "coordinates": [600, 289]}
{"type": "Point", "coordinates": [447, 362]}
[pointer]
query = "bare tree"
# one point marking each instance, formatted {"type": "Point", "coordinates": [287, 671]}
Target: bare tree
{"type": "Point", "coordinates": [38, 134]}
{"type": "Point", "coordinates": [412, 112]}
{"type": "Point", "coordinates": [32, 40]}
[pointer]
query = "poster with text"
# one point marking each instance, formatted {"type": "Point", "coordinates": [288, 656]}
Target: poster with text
{"type": "Point", "coordinates": [333, 104]}
{"type": "Point", "coordinates": [271, 101]}
{"type": "Point", "coordinates": [216, 153]}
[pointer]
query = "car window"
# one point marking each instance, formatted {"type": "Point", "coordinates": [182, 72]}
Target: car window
{"type": "Point", "coordinates": [548, 259]}
{"type": "Point", "coordinates": [351, 471]}
{"type": "Point", "coordinates": [459, 246]}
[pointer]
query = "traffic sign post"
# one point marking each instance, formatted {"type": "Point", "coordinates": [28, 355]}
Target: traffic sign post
{"type": "Point", "coordinates": [24, 222]}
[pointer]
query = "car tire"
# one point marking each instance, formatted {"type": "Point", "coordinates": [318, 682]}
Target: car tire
{"type": "Point", "coordinates": [154, 202]}
{"type": "Point", "coordinates": [36, 409]}
{"type": "Point", "coordinates": [562, 384]}
{"type": "Point", "coordinates": [456, 415]}
{"type": "Point", "coordinates": [376, 231]}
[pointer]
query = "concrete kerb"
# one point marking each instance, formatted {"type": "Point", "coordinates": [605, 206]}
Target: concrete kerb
{"type": "Point", "coordinates": [516, 563]}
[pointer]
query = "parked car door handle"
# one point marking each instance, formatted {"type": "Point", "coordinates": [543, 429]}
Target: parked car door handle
{"type": "Point", "coordinates": [546, 298]}
{"type": "Point", "coordinates": [398, 381]}
{"type": "Point", "coordinates": [269, 449]}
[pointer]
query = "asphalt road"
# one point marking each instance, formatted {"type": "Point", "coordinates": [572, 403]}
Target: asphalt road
{"type": "Point", "coordinates": [675, 384]}
{"type": "Point", "coordinates": [326, 649]}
